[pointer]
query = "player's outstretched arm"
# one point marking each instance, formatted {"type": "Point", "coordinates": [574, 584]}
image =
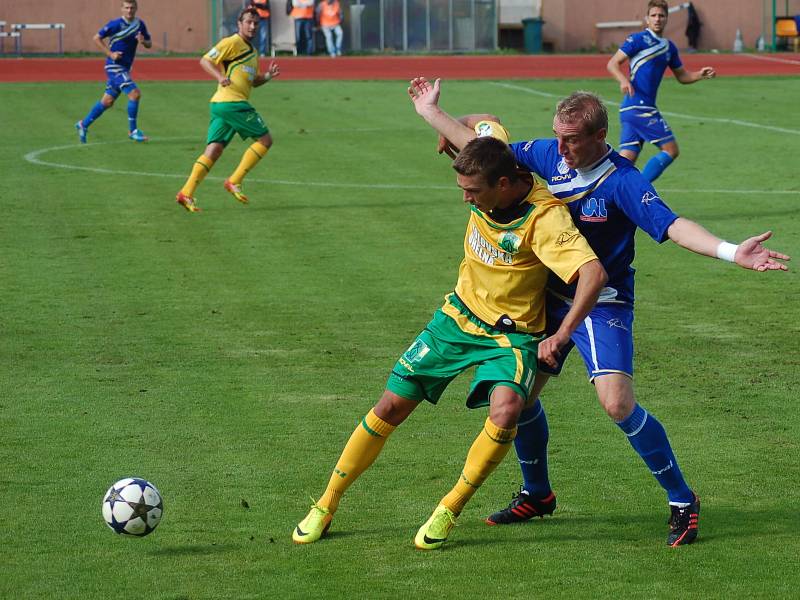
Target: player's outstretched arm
{"type": "Point", "coordinates": [684, 76]}
{"type": "Point", "coordinates": [591, 279]}
{"type": "Point", "coordinates": [425, 97]}
{"type": "Point", "coordinates": [750, 254]}
{"type": "Point", "coordinates": [272, 72]}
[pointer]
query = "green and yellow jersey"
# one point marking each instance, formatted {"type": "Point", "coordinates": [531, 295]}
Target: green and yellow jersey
{"type": "Point", "coordinates": [505, 267]}
{"type": "Point", "coordinates": [240, 61]}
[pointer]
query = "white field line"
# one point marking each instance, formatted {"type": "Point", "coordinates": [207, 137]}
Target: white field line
{"type": "Point", "coordinates": [739, 122]}
{"type": "Point", "coordinates": [34, 157]}
{"type": "Point", "coordinates": [774, 59]}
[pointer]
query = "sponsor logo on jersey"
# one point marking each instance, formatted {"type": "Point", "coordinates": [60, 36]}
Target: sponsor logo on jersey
{"type": "Point", "coordinates": [486, 251]}
{"type": "Point", "coordinates": [527, 146]}
{"type": "Point", "coordinates": [213, 53]}
{"type": "Point", "coordinates": [594, 210]}
{"type": "Point", "coordinates": [649, 197]}
{"type": "Point", "coordinates": [565, 237]}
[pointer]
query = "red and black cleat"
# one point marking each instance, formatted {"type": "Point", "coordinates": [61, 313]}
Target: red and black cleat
{"type": "Point", "coordinates": [523, 508]}
{"type": "Point", "coordinates": [683, 523]}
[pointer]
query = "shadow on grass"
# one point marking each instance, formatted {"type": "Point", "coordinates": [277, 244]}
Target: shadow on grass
{"type": "Point", "coordinates": [194, 549]}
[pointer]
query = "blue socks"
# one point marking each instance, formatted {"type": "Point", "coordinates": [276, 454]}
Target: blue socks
{"type": "Point", "coordinates": [97, 110]}
{"type": "Point", "coordinates": [656, 166]}
{"type": "Point", "coordinates": [531, 446]}
{"type": "Point", "coordinates": [133, 111]}
{"type": "Point", "coordinates": [648, 438]}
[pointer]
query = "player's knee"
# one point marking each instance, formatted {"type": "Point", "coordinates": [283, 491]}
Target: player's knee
{"type": "Point", "coordinates": [107, 101]}
{"type": "Point", "coordinates": [135, 95]}
{"type": "Point", "coordinates": [505, 405]}
{"type": "Point", "coordinates": [618, 408]}
{"type": "Point", "coordinates": [394, 409]}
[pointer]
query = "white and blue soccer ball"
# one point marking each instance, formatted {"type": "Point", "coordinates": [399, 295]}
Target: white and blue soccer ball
{"type": "Point", "coordinates": [133, 506]}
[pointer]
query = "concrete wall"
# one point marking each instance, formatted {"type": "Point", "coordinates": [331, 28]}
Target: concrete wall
{"type": "Point", "coordinates": [185, 23]}
{"type": "Point", "coordinates": [570, 24]}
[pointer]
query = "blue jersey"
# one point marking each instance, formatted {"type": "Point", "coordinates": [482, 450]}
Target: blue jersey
{"type": "Point", "coordinates": [122, 38]}
{"type": "Point", "coordinates": [608, 201]}
{"type": "Point", "coordinates": [649, 57]}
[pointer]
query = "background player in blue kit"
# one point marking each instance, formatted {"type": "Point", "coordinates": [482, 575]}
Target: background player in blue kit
{"type": "Point", "coordinates": [649, 55]}
{"type": "Point", "coordinates": [608, 199]}
{"type": "Point", "coordinates": [123, 35]}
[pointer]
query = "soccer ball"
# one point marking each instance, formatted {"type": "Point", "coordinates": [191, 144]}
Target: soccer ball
{"type": "Point", "coordinates": [133, 506]}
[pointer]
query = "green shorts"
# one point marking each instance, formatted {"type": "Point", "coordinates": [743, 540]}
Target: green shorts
{"type": "Point", "coordinates": [230, 118]}
{"type": "Point", "coordinates": [449, 346]}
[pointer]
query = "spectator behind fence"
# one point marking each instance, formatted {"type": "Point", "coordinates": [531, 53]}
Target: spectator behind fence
{"type": "Point", "coordinates": [329, 17]}
{"type": "Point", "coordinates": [303, 15]}
{"type": "Point", "coordinates": [264, 27]}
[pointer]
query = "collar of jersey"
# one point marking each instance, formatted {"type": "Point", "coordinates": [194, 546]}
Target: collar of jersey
{"type": "Point", "coordinates": [504, 226]}
{"type": "Point", "coordinates": [584, 170]}
{"type": "Point", "coordinates": [654, 34]}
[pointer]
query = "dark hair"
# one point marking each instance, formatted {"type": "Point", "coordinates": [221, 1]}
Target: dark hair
{"type": "Point", "coordinates": [250, 10]}
{"type": "Point", "coordinates": [662, 4]}
{"type": "Point", "coordinates": [583, 107]}
{"type": "Point", "coordinates": [488, 157]}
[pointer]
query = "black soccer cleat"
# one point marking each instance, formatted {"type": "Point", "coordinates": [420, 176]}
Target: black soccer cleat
{"type": "Point", "coordinates": [523, 508]}
{"type": "Point", "coordinates": [683, 523]}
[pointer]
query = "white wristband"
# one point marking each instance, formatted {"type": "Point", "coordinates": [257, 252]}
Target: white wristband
{"type": "Point", "coordinates": [726, 251]}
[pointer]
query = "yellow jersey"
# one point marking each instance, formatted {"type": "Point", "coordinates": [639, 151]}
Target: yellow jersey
{"type": "Point", "coordinates": [505, 267]}
{"type": "Point", "coordinates": [240, 61]}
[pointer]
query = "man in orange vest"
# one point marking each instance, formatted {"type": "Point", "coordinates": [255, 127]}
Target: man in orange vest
{"type": "Point", "coordinates": [264, 32]}
{"type": "Point", "coordinates": [303, 15]}
{"type": "Point", "coordinates": [329, 17]}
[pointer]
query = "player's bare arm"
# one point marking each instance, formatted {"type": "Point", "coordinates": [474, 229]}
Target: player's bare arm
{"type": "Point", "coordinates": [614, 66]}
{"type": "Point", "coordinates": [425, 97]}
{"type": "Point", "coordinates": [684, 76]}
{"type": "Point", "coordinates": [212, 69]}
{"type": "Point", "coordinates": [144, 42]}
{"type": "Point", "coordinates": [101, 44]}
{"type": "Point", "coordinates": [272, 72]}
{"type": "Point", "coordinates": [750, 254]}
{"type": "Point", "coordinates": [591, 279]}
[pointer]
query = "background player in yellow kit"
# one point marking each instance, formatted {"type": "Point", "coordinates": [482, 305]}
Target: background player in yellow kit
{"type": "Point", "coordinates": [233, 62]}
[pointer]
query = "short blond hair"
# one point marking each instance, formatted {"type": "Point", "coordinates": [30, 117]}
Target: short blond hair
{"type": "Point", "coordinates": [583, 107]}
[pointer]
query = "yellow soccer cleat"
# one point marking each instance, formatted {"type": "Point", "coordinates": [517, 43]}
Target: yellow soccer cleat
{"type": "Point", "coordinates": [187, 202]}
{"type": "Point", "coordinates": [314, 526]}
{"type": "Point", "coordinates": [235, 190]}
{"type": "Point", "coordinates": [436, 529]}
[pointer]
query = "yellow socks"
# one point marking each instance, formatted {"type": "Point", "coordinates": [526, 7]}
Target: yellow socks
{"type": "Point", "coordinates": [487, 451]}
{"type": "Point", "coordinates": [250, 159]}
{"type": "Point", "coordinates": [200, 169]}
{"type": "Point", "coordinates": [359, 453]}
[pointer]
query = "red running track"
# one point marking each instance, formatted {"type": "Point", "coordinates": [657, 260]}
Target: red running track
{"type": "Point", "coordinates": [393, 67]}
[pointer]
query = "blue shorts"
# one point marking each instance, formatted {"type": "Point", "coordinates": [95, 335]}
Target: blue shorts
{"type": "Point", "coordinates": [604, 339]}
{"type": "Point", "coordinates": [119, 81]}
{"type": "Point", "coordinates": [640, 125]}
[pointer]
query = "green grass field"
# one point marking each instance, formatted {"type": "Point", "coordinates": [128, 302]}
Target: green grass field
{"type": "Point", "coordinates": [228, 355]}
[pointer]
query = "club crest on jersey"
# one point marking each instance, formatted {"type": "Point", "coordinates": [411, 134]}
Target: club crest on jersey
{"type": "Point", "coordinates": [509, 242]}
{"type": "Point", "coordinates": [594, 210]}
{"type": "Point", "coordinates": [562, 167]}
{"type": "Point", "coordinates": [649, 197]}
{"type": "Point", "coordinates": [484, 130]}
